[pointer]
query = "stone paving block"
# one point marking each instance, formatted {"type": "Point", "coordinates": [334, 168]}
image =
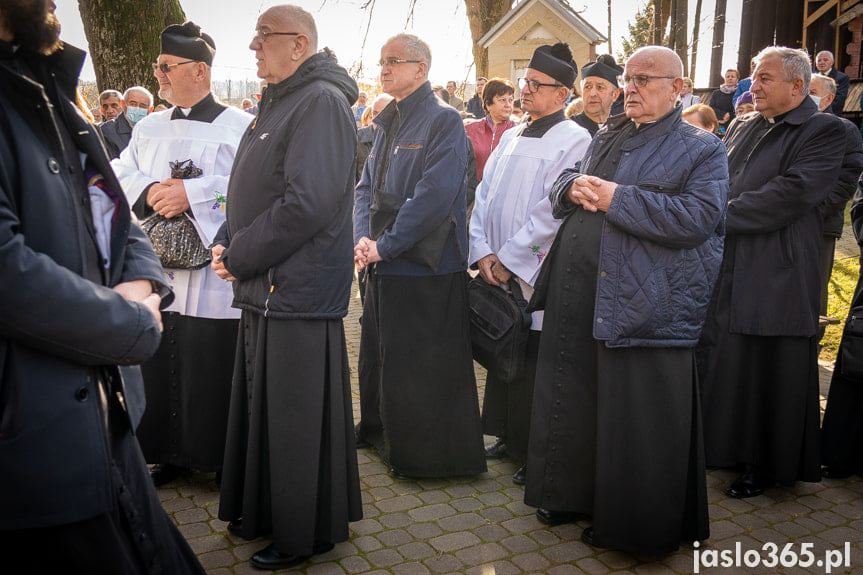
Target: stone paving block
{"type": "Point", "coordinates": [354, 564]}
{"type": "Point", "coordinates": [215, 559]}
{"type": "Point", "coordinates": [565, 570]}
{"type": "Point", "coordinates": [790, 529]}
{"type": "Point", "coordinates": [531, 561]}
{"type": "Point", "coordinates": [617, 560]}
{"type": "Point", "coordinates": [496, 568]}
{"type": "Point", "coordinates": [424, 530]}
{"type": "Point", "coordinates": [381, 493]}
{"type": "Point", "coordinates": [430, 484]}
{"type": "Point", "coordinates": [521, 524]}
{"type": "Point", "coordinates": [396, 520]}
{"type": "Point", "coordinates": [749, 521]}
{"type": "Point", "coordinates": [519, 508]}
{"type": "Point", "coordinates": [828, 518]}
{"type": "Point", "coordinates": [494, 498]}
{"type": "Point", "coordinates": [480, 554]}
{"type": "Point", "coordinates": [736, 505]}
{"type": "Point", "coordinates": [813, 502]}
{"type": "Point", "coordinates": [567, 531]}
{"type": "Point", "coordinates": [653, 569]}
{"type": "Point", "coordinates": [454, 541]}
{"type": "Point", "coordinates": [194, 530]}
{"type": "Point", "coordinates": [434, 496]}
{"type": "Point", "coordinates": [366, 543]}
{"type": "Point", "coordinates": [461, 490]}
{"type": "Point", "coordinates": [852, 510]}
{"type": "Point", "coordinates": [194, 515]}
{"type": "Point", "coordinates": [177, 504]}
{"type": "Point", "coordinates": [166, 494]}
{"type": "Point", "coordinates": [205, 499]}
{"type": "Point", "coordinates": [410, 569]}
{"type": "Point", "coordinates": [840, 535]}
{"type": "Point", "coordinates": [520, 544]}
{"type": "Point", "coordinates": [220, 571]}
{"type": "Point", "coordinates": [809, 524]}
{"type": "Point", "coordinates": [545, 536]}
{"type": "Point", "coordinates": [370, 511]}
{"type": "Point", "coordinates": [461, 522]}
{"type": "Point", "coordinates": [432, 512]}
{"type": "Point", "coordinates": [373, 468]}
{"type": "Point", "coordinates": [384, 557]}
{"type": "Point", "coordinates": [406, 487]}
{"type": "Point", "coordinates": [444, 564]}
{"type": "Point", "coordinates": [324, 569]}
{"type": "Point", "coordinates": [838, 495]}
{"type": "Point", "coordinates": [366, 527]}
{"type": "Point", "coordinates": [491, 532]}
{"type": "Point", "coordinates": [416, 550]}
{"type": "Point", "coordinates": [592, 566]}
{"type": "Point", "coordinates": [767, 535]}
{"type": "Point", "coordinates": [208, 543]}
{"type": "Point", "coordinates": [380, 480]}
{"type": "Point", "coordinates": [213, 510]}
{"type": "Point", "coordinates": [395, 537]}
{"type": "Point", "coordinates": [567, 552]}
{"type": "Point", "coordinates": [680, 562]}
{"type": "Point", "coordinates": [244, 551]}
{"type": "Point", "coordinates": [467, 504]}
{"type": "Point", "coordinates": [717, 512]}
{"type": "Point", "coordinates": [401, 503]}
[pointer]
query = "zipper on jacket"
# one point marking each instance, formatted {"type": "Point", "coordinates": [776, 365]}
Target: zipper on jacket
{"type": "Point", "coordinates": [269, 293]}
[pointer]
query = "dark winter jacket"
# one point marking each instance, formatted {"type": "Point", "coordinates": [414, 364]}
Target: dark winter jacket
{"type": "Point", "coordinates": [59, 331]}
{"type": "Point", "coordinates": [428, 169]}
{"type": "Point", "coordinates": [365, 138]}
{"type": "Point", "coordinates": [116, 134]}
{"type": "Point", "coordinates": [288, 227]}
{"type": "Point", "coordinates": [773, 223]}
{"type": "Point", "coordinates": [660, 253]}
{"type": "Point", "coordinates": [833, 207]}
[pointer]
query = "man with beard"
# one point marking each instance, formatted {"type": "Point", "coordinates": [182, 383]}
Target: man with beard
{"type": "Point", "coordinates": [189, 379]}
{"type": "Point", "coordinates": [599, 90]}
{"type": "Point", "coordinates": [615, 429]}
{"type": "Point", "coordinates": [290, 460]}
{"type": "Point", "coordinates": [80, 295]}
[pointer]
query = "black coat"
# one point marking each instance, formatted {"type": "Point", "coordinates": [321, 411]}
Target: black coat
{"type": "Point", "coordinates": [60, 332]}
{"type": "Point", "coordinates": [290, 197]}
{"type": "Point", "coordinates": [773, 226]}
{"type": "Point", "coordinates": [116, 134]}
{"type": "Point", "coordinates": [833, 207]}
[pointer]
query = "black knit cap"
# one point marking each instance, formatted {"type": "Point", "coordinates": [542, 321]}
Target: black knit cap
{"type": "Point", "coordinates": [557, 62]}
{"type": "Point", "coordinates": [605, 67]}
{"type": "Point", "coordinates": [187, 41]}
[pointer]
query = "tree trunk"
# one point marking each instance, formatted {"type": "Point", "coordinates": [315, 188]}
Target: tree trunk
{"type": "Point", "coordinates": [482, 16]}
{"type": "Point", "coordinates": [124, 38]}
{"type": "Point", "coordinates": [718, 43]}
{"type": "Point", "coordinates": [744, 53]}
{"type": "Point", "coordinates": [679, 21]}
{"type": "Point", "coordinates": [695, 33]}
{"type": "Point", "coordinates": [610, 51]}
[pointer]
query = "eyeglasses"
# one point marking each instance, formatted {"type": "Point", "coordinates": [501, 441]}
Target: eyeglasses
{"type": "Point", "coordinates": [534, 85]}
{"type": "Point", "coordinates": [261, 36]}
{"type": "Point", "coordinates": [165, 68]}
{"type": "Point", "coordinates": [390, 62]}
{"type": "Point", "coordinates": [641, 80]}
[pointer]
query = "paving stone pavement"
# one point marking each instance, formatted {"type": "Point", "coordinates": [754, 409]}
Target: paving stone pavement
{"type": "Point", "coordinates": [480, 525]}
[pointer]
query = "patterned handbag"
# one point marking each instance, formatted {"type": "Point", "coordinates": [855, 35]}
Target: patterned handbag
{"type": "Point", "coordinates": [176, 240]}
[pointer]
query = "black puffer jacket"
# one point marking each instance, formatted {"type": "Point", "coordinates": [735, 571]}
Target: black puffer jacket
{"type": "Point", "coordinates": [290, 198]}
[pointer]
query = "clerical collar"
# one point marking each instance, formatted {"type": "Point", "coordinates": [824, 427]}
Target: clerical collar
{"type": "Point", "coordinates": [207, 110]}
{"type": "Point", "coordinates": [538, 128]}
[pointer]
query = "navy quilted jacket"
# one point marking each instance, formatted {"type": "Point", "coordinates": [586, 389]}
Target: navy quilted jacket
{"type": "Point", "coordinates": [662, 246]}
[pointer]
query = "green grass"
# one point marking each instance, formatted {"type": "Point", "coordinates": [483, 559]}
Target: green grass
{"type": "Point", "coordinates": [846, 270]}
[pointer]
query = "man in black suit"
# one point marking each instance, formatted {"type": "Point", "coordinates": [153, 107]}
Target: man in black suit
{"type": "Point", "coordinates": [824, 63]}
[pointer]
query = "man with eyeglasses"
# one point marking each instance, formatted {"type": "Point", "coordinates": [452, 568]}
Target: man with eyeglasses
{"type": "Point", "coordinates": [599, 90]}
{"type": "Point", "coordinates": [188, 381]}
{"type": "Point", "coordinates": [512, 228]}
{"type": "Point", "coordinates": [615, 432]}
{"type": "Point", "coordinates": [290, 459]}
{"type": "Point", "coordinates": [137, 103]}
{"type": "Point", "coordinates": [418, 397]}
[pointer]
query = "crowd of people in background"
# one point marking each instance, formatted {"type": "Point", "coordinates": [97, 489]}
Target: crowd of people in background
{"type": "Point", "coordinates": [673, 256]}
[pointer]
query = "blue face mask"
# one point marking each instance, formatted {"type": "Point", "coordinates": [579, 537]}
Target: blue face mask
{"type": "Point", "coordinates": [135, 115]}
{"type": "Point", "coordinates": [817, 100]}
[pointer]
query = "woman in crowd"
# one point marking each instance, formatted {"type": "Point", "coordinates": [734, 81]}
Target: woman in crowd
{"type": "Point", "coordinates": [721, 100]}
{"type": "Point", "coordinates": [497, 100]}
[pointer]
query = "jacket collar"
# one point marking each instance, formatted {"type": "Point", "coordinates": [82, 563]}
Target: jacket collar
{"type": "Point", "coordinates": [646, 132]}
{"type": "Point", "coordinates": [65, 64]}
{"type": "Point", "coordinates": [404, 107]}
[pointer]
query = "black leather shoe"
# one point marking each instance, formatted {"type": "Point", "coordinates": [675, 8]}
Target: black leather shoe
{"type": "Point", "coordinates": [497, 449]}
{"type": "Point", "coordinates": [235, 527]}
{"type": "Point", "coordinates": [271, 559]}
{"type": "Point", "coordinates": [396, 474]}
{"type": "Point", "coordinates": [362, 443]}
{"type": "Point", "coordinates": [164, 473]}
{"type": "Point", "coordinates": [836, 472]}
{"type": "Point", "coordinates": [553, 518]}
{"type": "Point", "coordinates": [588, 536]}
{"type": "Point", "coordinates": [520, 476]}
{"type": "Point", "coordinates": [750, 484]}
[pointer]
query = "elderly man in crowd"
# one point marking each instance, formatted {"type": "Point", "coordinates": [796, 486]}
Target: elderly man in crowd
{"type": "Point", "coordinates": [137, 103]}
{"type": "Point", "coordinates": [418, 400]}
{"type": "Point", "coordinates": [110, 104]}
{"type": "Point", "coordinates": [758, 354]}
{"type": "Point", "coordinates": [824, 64]}
{"type": "Point", "coordinates": [80, 294]}
{"type": "Point", "coordinates": [512, 228]}
{"type": "Point", "coordinates": [290, 461]}
{"type": "Point", "coordinates": [599, 90]}
{"type": "Point", "coordinates": [615, 426]}
{"type": "Point", "coordinates": [189, 380]}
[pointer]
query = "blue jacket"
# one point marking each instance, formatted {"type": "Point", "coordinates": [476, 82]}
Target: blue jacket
{"type": "Point", "coordinates": [660, 253]}
{"type": "Point", "coordinates": [428, 169]}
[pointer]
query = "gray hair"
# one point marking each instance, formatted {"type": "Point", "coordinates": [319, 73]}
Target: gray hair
{"type": "Point", "coordinates": [138, 89]}
{"type": "Point", "coordinates": [109, 94]}
{"type": "Point", "coordinates": [795, 63]}
{"type": "Point", "coordinates": [303, 20]}
{"type": "Point", "coordinates": [828, 52]}
{"type": "Point", "coordinates": [415, 48]}
{"type": "Point", "coordinates": [828, 82]}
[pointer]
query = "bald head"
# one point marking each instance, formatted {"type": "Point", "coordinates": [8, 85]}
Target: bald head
{"type": "Point", "coordinates": [298, 20]}
{"type": "Point", "coordinates": [662, 59]}
{"type": "Point", "coordinates": [286, 37]}
{"type": "Point", "coordinates": [653, 80]}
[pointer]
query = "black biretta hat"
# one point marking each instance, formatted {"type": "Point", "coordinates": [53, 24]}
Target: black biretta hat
{"type": "Point", "coordinates": [187, 41]}
{"type": "Point", "coordinates": [605, 67]}
{"type": "Point", "coordinates": [557, 62]}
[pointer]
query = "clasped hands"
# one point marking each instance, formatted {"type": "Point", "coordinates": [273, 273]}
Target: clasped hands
{"type": "Point", "coordinates": [168, 198]}
{"type": "Point", "coordinates": [591, 193]}
{"type": "Point", "coordinates": [365, 253]}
